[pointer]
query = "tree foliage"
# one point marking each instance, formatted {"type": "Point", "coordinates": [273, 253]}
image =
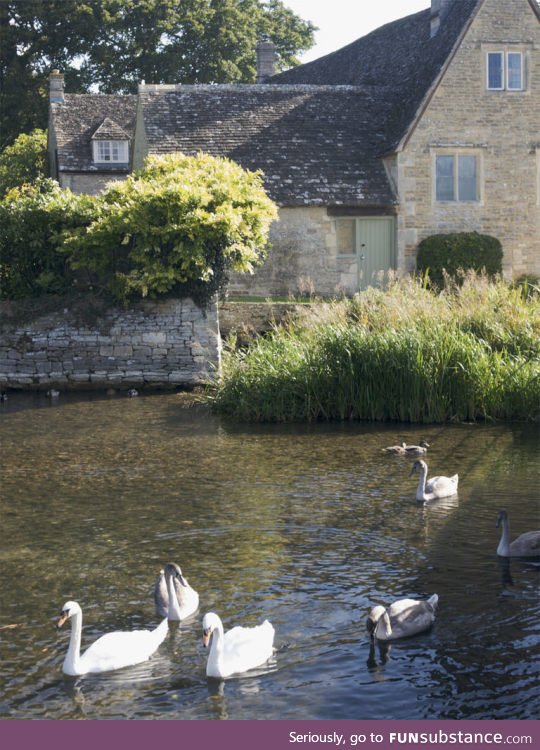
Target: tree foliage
{"type": "Point", "coordinates": [114, 44]}
{"type": "Point", "coordinates": [178, 226]}
{"type": "Point", "coordinates": [33, 222]}
{"type": "Point", "coordinates": [24, 161]}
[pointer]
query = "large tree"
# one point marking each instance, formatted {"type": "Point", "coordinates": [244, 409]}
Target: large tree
{"type": "Point", "coordinates": [111, 45]}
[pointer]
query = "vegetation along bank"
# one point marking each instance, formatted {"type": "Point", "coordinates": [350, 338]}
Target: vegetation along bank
{"type": "Point", "coordinates": [409, 354]}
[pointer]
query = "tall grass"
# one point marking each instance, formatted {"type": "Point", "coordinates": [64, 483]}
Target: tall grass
{"type": "Point", "coordinates": [407, 354]}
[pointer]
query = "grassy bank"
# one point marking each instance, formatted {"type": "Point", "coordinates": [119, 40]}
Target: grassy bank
{"type": "Point", "coordinates": [407, 354]}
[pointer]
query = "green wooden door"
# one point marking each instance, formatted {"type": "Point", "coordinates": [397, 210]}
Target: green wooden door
{"type": "Point", "coordinates": [375, 242]}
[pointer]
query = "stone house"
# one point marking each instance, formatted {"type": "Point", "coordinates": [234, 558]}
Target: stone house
{"type": "Point", "coordinates": [428, 124]}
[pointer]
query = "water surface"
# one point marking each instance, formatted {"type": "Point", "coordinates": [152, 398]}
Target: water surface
{"type": "Point", "coordinates": [308, 526]}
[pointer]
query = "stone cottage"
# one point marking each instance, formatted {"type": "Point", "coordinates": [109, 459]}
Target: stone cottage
{"type": "Point", "coordinates": [428, 124]}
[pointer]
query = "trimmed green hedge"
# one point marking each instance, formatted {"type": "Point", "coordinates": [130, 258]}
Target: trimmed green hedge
{"type": "Point", "coordinates": [461, 251]}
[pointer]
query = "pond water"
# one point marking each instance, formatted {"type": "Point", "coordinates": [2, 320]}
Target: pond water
{"type": "Point", "coordinates": [308, 526]}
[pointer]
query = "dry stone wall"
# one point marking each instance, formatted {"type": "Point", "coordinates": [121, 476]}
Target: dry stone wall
{"type": "Point", "coordinates": [165, 344]}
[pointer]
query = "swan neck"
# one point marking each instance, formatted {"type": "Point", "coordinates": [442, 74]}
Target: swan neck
{"type": "Point", "coordinates": [174, 607]}
{"type": "Point", "coordinates": [216, 648]}
{"type": "Point", "coordinates": [71, 662]}
{"type": "Point", "coordinates": [421, 491]}
{"type": "Point", "coordinates": [504, 545]}
{"type": "Point", "coordinates": [385, 626]}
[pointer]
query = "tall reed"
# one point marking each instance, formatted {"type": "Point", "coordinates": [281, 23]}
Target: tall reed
{"type": "Point", "coordinates": [407, 354]}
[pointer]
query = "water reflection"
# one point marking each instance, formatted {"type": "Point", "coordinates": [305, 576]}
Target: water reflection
{"type": "Point", "coordinates": [305, 525]}
{"type": "Point", "coordinates": [379, 652]}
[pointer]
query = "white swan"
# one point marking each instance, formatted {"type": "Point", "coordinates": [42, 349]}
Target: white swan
{"type": "Point", "coordinates": [526, 545]}
{"type": "Point", "coordinates": [408, 450]}
{"type": "Point", "coordinates": [237, 650]}
{"type": "Point", "coordinates": [436, 487]}
{"type": "Point", "coordinates": [403, 618]}
{"type": "Point", "coordinates": [111, 651]}
{"type": "Point", "coordinates": [174, 597]}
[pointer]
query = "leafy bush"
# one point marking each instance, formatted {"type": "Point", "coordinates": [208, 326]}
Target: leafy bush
{"type": "Point", "coordinates": [179, 225]}
{"type": "Point", "coordinates": [33, 223]}
{"type": "Point", "coordinates": [24, 161]}
{"type": "Point", "coordinates": [451, 254]}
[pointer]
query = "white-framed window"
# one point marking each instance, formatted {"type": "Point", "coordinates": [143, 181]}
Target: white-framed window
{"type": "Point", "coordinates": [110, 152]}
{"type": "Point", "coordinates": [457, 177]}
{"type": "Point", "coordinates": [504, 71]}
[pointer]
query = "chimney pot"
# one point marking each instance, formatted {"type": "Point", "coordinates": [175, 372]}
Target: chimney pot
{"type": "Point", "coordinates": [439, 8]}
{"type": "Point", "coordinates": [56, 87]}
{"type": "Point", "coordinates": [266, 60]}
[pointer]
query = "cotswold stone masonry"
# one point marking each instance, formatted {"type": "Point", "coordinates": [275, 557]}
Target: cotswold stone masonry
{"type": "Point", "coordinates": [165, 344]}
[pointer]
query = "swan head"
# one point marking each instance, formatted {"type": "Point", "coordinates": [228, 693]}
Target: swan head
{"type": "Point", "coordinates": [68, 610]}
{"type": "Point", "coordinates": [501, 518]}
{"type": "Point", "coordinates": [373, 618]}
{"type": "Point", "coordinates": [172, 570]}
{"type": "Point", "coordinates": [210, 622]}
{"type": "Point", "coordinates": [419, 466]}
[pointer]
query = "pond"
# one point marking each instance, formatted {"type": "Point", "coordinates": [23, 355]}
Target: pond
{"type": "Point", "coordinates": [306, 525]}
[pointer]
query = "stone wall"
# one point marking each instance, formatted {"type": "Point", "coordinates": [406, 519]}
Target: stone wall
{"type": "Point", "coordinates": [248, 318]}
{"type": "Point", "coordinates": [91, 183]}
{"type": "Point", "coordinates": [302, 259]}
{"type": "Point", "coordinates": [499, 127]}
{"type": "Point", "coordinates": [165, 344]}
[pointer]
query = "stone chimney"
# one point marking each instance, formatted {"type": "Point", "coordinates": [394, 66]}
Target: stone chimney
{"type": "Point", "coordinates": [56, 87]}
{"type": "Point", "coordinates": [439, 8]}
{"type": "Point", "coordinates": [266, 60]}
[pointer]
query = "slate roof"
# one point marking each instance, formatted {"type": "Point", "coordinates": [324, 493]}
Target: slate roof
{"type": "Point", "coordinates": [77, 119]}
{"type": "Point", "coordinates": [398, 61]}
{"type": "Point", "coordinates": [318, 132]}
{"type": "Point", "coordinates": [316, 145]}
{"type": "Point", "coordinates": [110, 131]}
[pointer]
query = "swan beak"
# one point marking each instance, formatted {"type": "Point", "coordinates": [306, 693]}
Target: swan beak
{"type": "Point", "coordinates": [63, 617]}
{"type": "Point", "coordinates": [206, 637]}
{"type": "Point", "coordinates": [182, 580]}
{"type": "Point", "coordinates": [413, 470]}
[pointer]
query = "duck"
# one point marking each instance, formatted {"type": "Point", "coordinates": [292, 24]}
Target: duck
{"type": "Point", "coordinates": [239, 649]}
{"type": "Point", "coordinates": [408, 450]}
{"type": "Point", "coordinates": [52, 393]}
{"type": "Point", "coordinates": [3, 396]}
{"type": "Point", "coordinates": [133, 392]}
{"type": "Point", "coordinates": [403, 618]}
{"type": "Point", "coordinates": [434, 488]}
{"type": "Point", "coordinates": [173, 596]}
{"type": "Point", "coordinates": [111, 651]}
{"type": "Point", "coordinates": [526, 545]}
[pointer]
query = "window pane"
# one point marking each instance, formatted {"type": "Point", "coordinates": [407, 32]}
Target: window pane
{"type": "Point", "coordinates": [514, 71]}
{"type": "Point", "coordinates": [467, 178]}
{"type": "Point", "coordinates": [345, 231]}
{"type": "Point", "coordinates": [444, 177]}
{"type": "Point", "coordinates": [104, 152]}
{"type": "Point", "coordinates": [495, 70]}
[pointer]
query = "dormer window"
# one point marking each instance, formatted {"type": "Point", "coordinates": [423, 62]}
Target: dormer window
{"type": "Point", "coordinates": [110, 144]}
{"type": "Point", "coordinates": [505, 71]}
{"type": "Point", "coordinates": [113, 152]}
